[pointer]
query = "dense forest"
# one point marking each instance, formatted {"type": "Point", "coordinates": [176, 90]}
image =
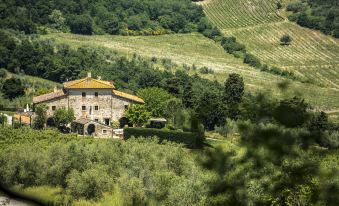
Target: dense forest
{"type": "Point", "coordinates": [317, 14]}
{"type": "Point", "coordinates": [134, 17]}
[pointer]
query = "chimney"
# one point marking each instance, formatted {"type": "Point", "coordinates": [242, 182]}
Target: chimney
{"type": "Point", "coordinates": [99, 77]}
{"type": "Point", "coordinates": [89, 74]}
{"type": "Point", "coordinates": [55, 89]}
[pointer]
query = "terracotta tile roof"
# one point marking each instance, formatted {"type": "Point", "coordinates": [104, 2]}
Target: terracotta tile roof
{"type": "Point", "coordinates": [49, 96]}
{"type": "Point", "coordinates": [24, 119]}
{"type": "Point", "coordinates": [88, 83]}
{"type": "Point", "coordinates": [128, 96]}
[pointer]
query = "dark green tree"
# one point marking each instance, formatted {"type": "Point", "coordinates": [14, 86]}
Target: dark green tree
{"type": "Point", "coordinates": [156, 100]}
{"type": "Point", "coordinates": [292, 112]}
{"type": "Point", "coordinates": [13, 88]}
{"type": "Point", "coordinates": [233, 94]}
{"type": "Point", "coordinates": [187, 97]}
{"type": "Point", "coordinates": [137, 115]}
{"type": "Point", "coordinates": [41, 118]}
{"type": "Point", "coordinates": [81, 24]}
{"type": "Point", "coordinates": [234, 89]}
{"type": "Point", "coordinates": [210, 109]}
{"type": "Point", "coordinates": [63, 117]}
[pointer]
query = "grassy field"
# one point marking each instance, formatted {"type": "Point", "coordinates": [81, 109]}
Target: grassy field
{"type": "Point", "coordinates": [259, 25]}
{"type": "Point", "coordinates": [196, 49]}
{"type": "Point", "coordinates": [227, 14]}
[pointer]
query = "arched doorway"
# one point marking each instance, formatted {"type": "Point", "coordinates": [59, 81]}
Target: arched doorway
{"type": "Point", "coordinates": [90, 129]}
{"type": "Point", "coordinates": [50, 122]}
{"type": "Point", "coordinates": [124, 121]}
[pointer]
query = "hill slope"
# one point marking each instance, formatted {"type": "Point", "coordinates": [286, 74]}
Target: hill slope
{"type": "Point", "coordinates": [196, 49]}
{"type": "Point", "coordinates": [259, 25]}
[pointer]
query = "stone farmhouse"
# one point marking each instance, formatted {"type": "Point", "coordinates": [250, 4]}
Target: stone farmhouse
{"type": "Point", "coordinates": [96, 103]}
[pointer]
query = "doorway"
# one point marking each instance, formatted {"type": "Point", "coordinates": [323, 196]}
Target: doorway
{"type": "Point", "coordinates": [90, 129]}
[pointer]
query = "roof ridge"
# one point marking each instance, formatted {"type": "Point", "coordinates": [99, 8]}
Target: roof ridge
{"type": "Point", "coordinates": [76, 81]}
{"type": "Point", "coordinates": [101, 81]}
{"type": "Point", "coordinates": [81, 83]}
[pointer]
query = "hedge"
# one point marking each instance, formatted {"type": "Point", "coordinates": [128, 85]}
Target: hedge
{"type": "Point", "coordinates": [189, 139]}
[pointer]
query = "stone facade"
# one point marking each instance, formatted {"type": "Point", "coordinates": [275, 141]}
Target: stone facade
{"type": "Point", "coordinates": [103, 107]}
{"type": "Point", "coordinates": [92, 128]}
{"type": "Point", "coordinates": [90, 99]}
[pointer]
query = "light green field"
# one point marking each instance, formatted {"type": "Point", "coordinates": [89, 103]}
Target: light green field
{"type": "Point", "coordinates": [196, 49]}
{"type": "Point", "coordinates": [178, 47]}
{"type": "Point", "coordinates": [227, 14]}
{"type": "Point", "coordinates": [259, 25]}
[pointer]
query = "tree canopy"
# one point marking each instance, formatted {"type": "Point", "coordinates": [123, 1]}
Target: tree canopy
{"type": "Point", "coordinates": [13, 88]}
{"type": "Point", "coordinates": [133, 17]}
{"type": "Point", "coordinates": [317, 14]}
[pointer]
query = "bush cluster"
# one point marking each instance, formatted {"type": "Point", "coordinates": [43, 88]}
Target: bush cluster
{"type": "Point", "coordinates": [317, 14]}
{"type": "Point", "coordinates": [87, 168]}
{"type": "Point", "coordinates": [189, 139]}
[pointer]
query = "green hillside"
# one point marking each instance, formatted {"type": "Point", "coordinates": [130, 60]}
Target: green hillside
{"type": "Point", "coordinates": [259, 25]}
{"type": "Point", "coordinates": [196, 49]}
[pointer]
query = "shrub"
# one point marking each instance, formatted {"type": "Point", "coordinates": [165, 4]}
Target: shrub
{"type": "Point", "coordinates": [252, 60]}
{"type": "Point", "coordinates": [189, 139]}
{"type": "Point", "coordinates": [3, 119]}
{"type": "Point", "coordinates": [296, 7]}
{"type": "Point", "coordinates": [285, 39]}
{"type": "Point", "coordinates": [206, 70]}
{"type": "Point", "coordinates": [231, 45]}
{"type": "Point", "coordinates": [330, 140]}
{"type": "Point", "coordinates": [90, 183]}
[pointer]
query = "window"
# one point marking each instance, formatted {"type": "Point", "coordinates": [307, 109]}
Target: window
{"type": "Point", "coordinates": [83, 94]}
{"type": "Point", "coordinates": [96, 120]}
{"type": "Point", "coordinates": [83, 107]}
{"type": "Point", "coordinates": [96, 94]}
{"type": "Point", "coordinates": [106, 121]}
{"type": "Point", "coordinates": [53, 108]}
{"type": "Point", "coordinates": [96, 108]}
{"type": "Point", "coordinates": [104, 131]}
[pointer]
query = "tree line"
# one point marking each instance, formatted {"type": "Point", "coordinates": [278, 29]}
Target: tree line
{"type": "Point", "coordinates": [133, 17]}
{"type": "Point", "coordinates": [316, 14]}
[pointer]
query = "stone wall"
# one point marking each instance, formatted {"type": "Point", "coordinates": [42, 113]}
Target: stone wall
{"type": "Point", "coordinates": [100, 130]}
{"type": "Point", "coordinates": [118, 106]}
{"type": "Point", "coordinates": [57, 103]}
{"type": "Point", "coordinates": [103, 101]}
{"type": "Point", "coordinates": [109, 106]}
